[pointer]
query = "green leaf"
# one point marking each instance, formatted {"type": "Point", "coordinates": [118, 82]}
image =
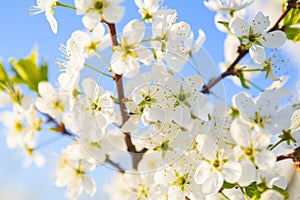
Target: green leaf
{"type": "Point", "coordinates": [255, 190]}
{"type": "Point", "coordinates": [27, 71]}
{"type": "Point", "coordinates": [227, 185]}
{"type": "Point", "coordinates": [292, 17]}
{"type": "Point", "coordinates": [252, 190]}
{"type": "Point", "coordinates": [225, 24]}
{"type": "Point", "coordinates": [293, 33]}
{"type": "Point", "coordinates": [3, 74]}
{"type": "Point", "coordinates": [4, 79]}
{"type": "Point", "coordinates": [281, 191]}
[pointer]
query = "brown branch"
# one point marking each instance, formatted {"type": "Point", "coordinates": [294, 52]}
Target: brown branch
{"type": "Point", "coordinates": [242, 52]}
{"type": "Point", "coordinates": [59, 126]}
{"type": "Point", "coordinates": [115, 165]}
{"type": "Point", "coordinates": [294, 155]}
{"type": "Point", "coordinates": [136, 155]}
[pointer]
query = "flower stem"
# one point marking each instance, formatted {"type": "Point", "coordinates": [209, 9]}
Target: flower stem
{"type": "Point", "coordinates": [253, 70]}
{"type": "Point", "coordinates": [150, 40]}
{"type": "Point", "coordinates": [96, 70]}
{"type": "Point", "coordinates": [275, 145]}
{"type": "Point", "coordinates": [226, 197]}
{"type": "Point", "coordinates": [256, 86]}
{"type": "Point", "coordinates": [244, 194]}
{"type": "Point", "coordinates": [101, 59]}
{"type": "Point", "coordinates": [65, 5]}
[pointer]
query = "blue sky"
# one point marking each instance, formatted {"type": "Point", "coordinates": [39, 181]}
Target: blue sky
{"type": "Point", "coordinates": [20, 32]}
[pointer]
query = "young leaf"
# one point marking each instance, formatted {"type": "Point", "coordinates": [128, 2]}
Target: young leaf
{"type": "Point", "coordinates": [3, 77]}
{"type": "Point", "coordinates": [3, 74]}
{"type": "Point", "coordinates": [293, 34]}
{"type": "Point", "coordinates": [292, 18]}
{"type": "Point", "coordinates": [227, 185]}
{"type": "Point", "coordinates": [225, 24]}
{"type": "Point", "coordinates": [27, 71]}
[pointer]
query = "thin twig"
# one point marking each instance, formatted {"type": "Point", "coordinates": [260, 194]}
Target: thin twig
{"type": "Point", "coordinates": [242, 52]}
{"type": "Point", "coordinates": [294, 155]}
{"type": "Point", "coordinates": [59, 126]}
{"type": "Point", "coordinates": [115, 165]}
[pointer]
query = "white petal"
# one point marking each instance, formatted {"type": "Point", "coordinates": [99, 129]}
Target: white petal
{"type": "Point", "coordinates": [113, 14]}
{"type": "Point", "coordinates": [241, 133]}
{"type": "Point", "coordinates": [239, 26]}
{"type": "Point", "coordinates": [47, 91]}
{"type": "Point", "coordinates": [89, 185]}
{"type": "Point", "coordinates": [130, 125]}
{"type": "Point", "coordinates": [257, 53]}
{"type": "Point", "coordinates": [90, 87]}
{"type": "Point", "coordinates": [139, 3]}
{"type": "Point", "coordinates": [265, 160]}
{"type": "Point", "coordinates": [207, 145]}
{"type": "Point", "coordinates": [232, 171]}
{"type": "Point", "coordinates": [144, 54]}
{"type": "Point", "coordinates": [4, 99]}
{"type": "Point", "coordinates": [202, 173]}
{"type": "Point", "coordinates": [260, 23]}
{"type": "Point", "coordinates": [39, 159]}
{"type": "Point", "coordinates": [90, 22]}
{"type": "Point", "coordinates": [248, 173]}
{"type": "Point", "coordinates": [52, 21]}
{"type": "Point", "coordinates": [199, 41]}
{"type": "Point", "coordinates": [231, 44]}
{"type": "Point", "coordinates": [273, 39]}
{"type": "Point", "coordinates": [175, 61]}
{"type": "Point", "coordinates": [268, 103]}
{"type": "Point", "coordinates": [195, 82]}
{"type": "Point", "coordinates": [260, 140]}
{"type": "Point", "coordinates": [214, 183]}
{"type": "Point", "coordinates": [245, 106]}
{"type": "Point", "coordinates": [98, 32]}
{"type": "Point", "coordinates": [134, 31]}
{"type": "Point", "coordinates": [182, 115]}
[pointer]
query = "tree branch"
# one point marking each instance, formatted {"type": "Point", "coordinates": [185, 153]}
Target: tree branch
{"type": "Point", "coordinates": [136, 155]}
{"type": "Point", "coordinates": [295, 155]}
{"type": "Point", "coordinates": [115, 165]}
{"type": "Point", "coordinates": [59, 126]}
{"type": "Point", "coordinates": [242, 52]}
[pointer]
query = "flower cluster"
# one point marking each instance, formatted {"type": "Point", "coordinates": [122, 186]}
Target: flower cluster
{"type": "Point", "coordinates": [157, 127]}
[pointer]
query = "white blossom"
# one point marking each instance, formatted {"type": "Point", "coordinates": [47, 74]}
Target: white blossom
{"type": "Point", "coordinates": [47, 7]}
{"type": "Point", "coordinates": [227, 5]}
{"type": "Point", "coordinates": [255, 38]}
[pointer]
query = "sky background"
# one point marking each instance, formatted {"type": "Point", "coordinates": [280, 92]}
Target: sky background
{"type": "Point", "coordinates": [20, 32]}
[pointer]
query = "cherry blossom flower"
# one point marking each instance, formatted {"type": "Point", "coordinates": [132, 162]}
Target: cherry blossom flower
{"type": "Point", "coordinates": [51, 101]}
{"type": "Point", "coordinates": [147, 8]}
{"type": "Point", "coordinates": [215, 166]}
{"type": "Point", "coordinates": [72, 169]}
{"type": "Point", "coordinates": [171, 39]}
{"type": "Point", "coordinates": [255, 38]}
{"type": "Point", "coordinates": [263, 114]}
{"type": "Point", "coordinates": [47, 7]}
{"type": "Point", "coordinates": [227, 5]}
{"type": "Point", "coordinates": [97, 10]}
{"type": "Point", "coordinates": [127, 55]}
{"type": "Point", "coordinates": [252, 145]}
{"type": "Point", "coordinates": [93, 111]}
{"type": "Point", "coordinates": [180, 181]}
